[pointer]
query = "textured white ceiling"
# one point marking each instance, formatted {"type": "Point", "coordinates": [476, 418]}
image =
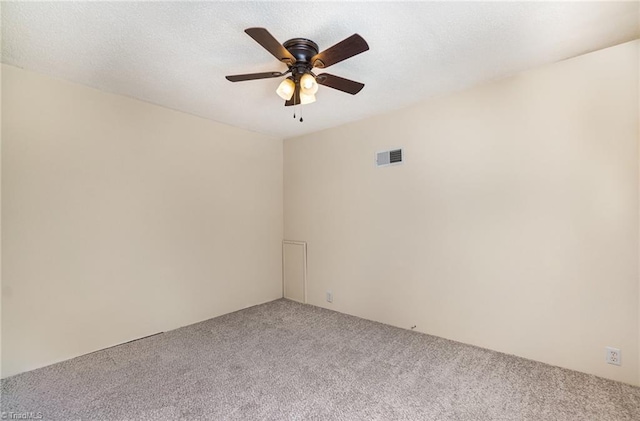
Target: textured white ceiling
{"type": "Point", "coordinates": [176, 54]}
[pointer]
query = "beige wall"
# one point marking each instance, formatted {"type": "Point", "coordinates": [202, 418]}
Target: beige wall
{"type": "Point", "coordinates": [512, 225]}
{"type": "Point", "coordinates": [0, 212]}
{"type": "Point", "coordinates": [121, 219]}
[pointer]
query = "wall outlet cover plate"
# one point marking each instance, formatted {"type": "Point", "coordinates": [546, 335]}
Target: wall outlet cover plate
{"type": "Point", "coordinates": [613, 356]}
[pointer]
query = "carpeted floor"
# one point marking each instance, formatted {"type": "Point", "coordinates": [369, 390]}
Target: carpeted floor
{"type": "Point", "coordinates": [283, 360]}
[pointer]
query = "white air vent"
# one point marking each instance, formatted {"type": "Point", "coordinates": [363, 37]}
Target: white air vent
{"type": "Point", "coordinates": [392, 157]}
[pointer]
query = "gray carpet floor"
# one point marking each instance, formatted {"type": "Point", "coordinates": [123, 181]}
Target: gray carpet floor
{"type": "Point", "coordinates": [283, 360]}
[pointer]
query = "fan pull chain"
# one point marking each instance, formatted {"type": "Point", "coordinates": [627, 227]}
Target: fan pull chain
{"type": "Point", "coordinates": [294, 107]}
{"type": "Point", "coordinates": [294, 102]}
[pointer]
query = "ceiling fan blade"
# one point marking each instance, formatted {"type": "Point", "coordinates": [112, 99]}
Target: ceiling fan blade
{"type": "Point", "coordinates": [264, 38]}
{"type": "Point", "coordinates": [253, 76]}
{"type": "Point", "coordinates": [295, 99]}
{"type": "Point", "coordinates": [339, 83]}
{"type": "Point", "coordinates": [346, 48]}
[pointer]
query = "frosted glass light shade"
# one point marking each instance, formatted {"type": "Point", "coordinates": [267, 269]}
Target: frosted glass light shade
{"type": "Point", "coordinates": [307, 99]}
{"type": "Point", "coordinates": [286, 89]}
{"type": "Point", "coordinates": [308, 84]}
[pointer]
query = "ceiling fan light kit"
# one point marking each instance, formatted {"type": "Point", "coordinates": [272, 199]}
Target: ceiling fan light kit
{"type": "Point", "coordinates": [301, 56]}
{"type": "Point", "coordinates": [286, 88]}
{"type": "Point", "coordinates": [307, 99]}
{"type": "Point", "coordinates": [308, 84]}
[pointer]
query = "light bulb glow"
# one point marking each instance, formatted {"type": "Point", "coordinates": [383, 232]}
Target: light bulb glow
{"type": "Point", "coordinates": [307, 99]}
{"type": "Point", "coordinates": [308, 84]}
{"type": "Point", "coordinates": [286, 89]}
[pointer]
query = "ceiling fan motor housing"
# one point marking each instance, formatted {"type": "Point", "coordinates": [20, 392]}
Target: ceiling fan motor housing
{"type": "Point", "coordinates": [303, 50]}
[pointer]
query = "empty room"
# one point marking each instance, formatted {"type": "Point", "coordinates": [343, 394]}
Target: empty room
{"type": "Point", "coordinates": [320, 210]}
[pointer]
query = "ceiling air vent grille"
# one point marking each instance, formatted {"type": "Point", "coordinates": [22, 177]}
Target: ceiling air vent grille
{"type": "Point", "coordinates": [392, 157]}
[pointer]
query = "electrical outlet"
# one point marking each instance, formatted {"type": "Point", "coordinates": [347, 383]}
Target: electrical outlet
{"type": "Point", "coordinates": [613, 356]}
{"type": "Point", "coordinates": [329, 296]}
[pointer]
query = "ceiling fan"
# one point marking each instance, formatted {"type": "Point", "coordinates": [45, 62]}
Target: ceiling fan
{"type": "Point", "coordinates": [301, 56]}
